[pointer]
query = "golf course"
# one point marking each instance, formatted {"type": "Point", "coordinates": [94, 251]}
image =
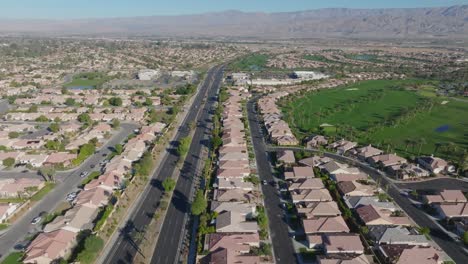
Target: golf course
{"type": "Point", "coordinates": [403, 116]}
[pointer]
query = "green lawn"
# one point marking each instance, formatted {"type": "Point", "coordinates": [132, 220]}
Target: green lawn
{"type": "Point", "coordinates": [13, 258]}
{"type": "Point", "coordinates": [88, 79]}
{"type": "Point", "coordinates": [93, 175]}
{"type": "Point", "coordinates": [252, 62]}
{"type": "Point", "coordinates": [364, 57]}
{"type": "Point", "coordinates": [42, 192]}
{"type": "Point", "coordinates": [385, 114]}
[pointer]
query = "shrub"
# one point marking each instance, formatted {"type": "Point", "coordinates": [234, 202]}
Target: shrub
{"type": "Point", "coordinates": [199, 203]}
{"type": "Point", "coordinates": [169, 184]}
{"type": "Point", "coordinates": [184, 145]}
{"type": "Point", "coordinates": [8, 162]}
{"type": "Point", "coordinates": [92, 246]}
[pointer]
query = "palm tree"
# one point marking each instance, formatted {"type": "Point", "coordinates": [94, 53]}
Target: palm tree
{"type": "Point", "coordinates": [421, 141]}
{"type": "Point", "coordinates": [437, 146]}
{"type": "Point", "coordinates": [407, 143]}
{"type": "Point", "coordinates": [462, 163]}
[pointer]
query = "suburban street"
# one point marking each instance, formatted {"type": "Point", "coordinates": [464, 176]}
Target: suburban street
{"type": "Point", "coordinates": [67, 182]}
{"type": "Point", "coordinates": [167, 249]}
{"type": "Point", "coordinates": [451, 247]}
{"type": "Point", "coordinates": [282, 244]}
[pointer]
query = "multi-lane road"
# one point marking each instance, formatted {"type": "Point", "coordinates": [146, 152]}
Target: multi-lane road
{"type": "Point", "coordinates": [66, 183]}
{"type": "Point", "coordinates": [174, 228]}
{"type": "Point", "coordinates": [282, 243]}
{"type": "Point", "coordinates": [167, 249]}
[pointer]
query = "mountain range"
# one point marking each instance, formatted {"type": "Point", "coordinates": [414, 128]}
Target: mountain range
{"type": "Point", "coordinates": [440, 22]}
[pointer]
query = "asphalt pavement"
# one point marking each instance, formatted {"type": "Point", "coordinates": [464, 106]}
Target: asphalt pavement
{"type": "Point", "coordinates": [454, 249]}
{"type": "Point", "coordinates": [282, 243]}
{"type": "Point", "coordinates": [68, 182]}
{"type": "Point", "coordinates": [167, 249]}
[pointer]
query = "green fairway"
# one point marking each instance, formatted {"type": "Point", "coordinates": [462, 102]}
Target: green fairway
{"type": "Point", "coordinates": [403, 116]}
{"type": "Point", "coordinates": [88, 79]}
{"type": "Point", "coordinates": [252, 62]}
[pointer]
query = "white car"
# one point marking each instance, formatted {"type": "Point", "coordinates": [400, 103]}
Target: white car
{"type": "Point", "coordinates": [84, 174]}
{"type": "Point", "coordinates": [36, 220]}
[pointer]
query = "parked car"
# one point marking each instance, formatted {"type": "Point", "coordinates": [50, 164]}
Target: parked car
{"type": "Point", "coordinates": [84, 174]}
{"type": "Point", "coordinates": [264, 182]}
{"type": "Point", "coordinates": [36, 220]}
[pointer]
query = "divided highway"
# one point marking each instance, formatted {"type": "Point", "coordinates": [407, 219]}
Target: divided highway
{"type": "Point", "coordinates": [168, 246]}
{"type": "Point", "coordinates": [174, 227]}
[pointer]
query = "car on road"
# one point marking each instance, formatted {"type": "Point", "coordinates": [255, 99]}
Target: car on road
{"type": "Point", "coordinates": [92, 166]}
{"type": "Point", "coordinates": [36, 220]}
{"type": "Point", "coordinates": [264, 182]}
{"type": "Point", "coordinates": [71, 196]}
{"type": "Point", "coordinates": [274, 184]}
{"type": "Point", "coordinates": [84, 174]}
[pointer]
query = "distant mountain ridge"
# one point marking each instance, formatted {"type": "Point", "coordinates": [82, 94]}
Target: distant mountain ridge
{"type": "Point", "coordinates": [437, 22]}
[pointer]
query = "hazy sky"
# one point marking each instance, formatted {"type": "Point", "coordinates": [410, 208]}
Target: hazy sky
{"type": "Point", "coordinates": [120, 8]}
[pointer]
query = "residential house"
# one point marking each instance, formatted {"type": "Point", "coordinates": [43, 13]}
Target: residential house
{"type": "Point", "coordinates": [96, 197]}
{"type": "Point", "coordinates": [386, 160]}
{"type": "Point", "coordinates": [346, 177]}
{"type": "Point", "coordinates": [366, 152]}
{"type": "Point", "coordinates": [234, 222]}
{"type": "Point", "coordinates": [233, 248]}
{"type": "Point", "coordinates": [337, 243]}
{"type": "Point", "coordinates": [248, 210]}
{"type": "Point", "coordinates": [319, 225]}
{"type": "Point", "coordinates": [446, 196]}
{"type": "Point", "coordinates": [233, 195]}
{"type": "Point", "coordinates": [299, 173]}
{"type": "Point", "coordinates": [397, 235]}
{"type": "Point", "coordinates": [407, 171]}
{"type": "Point", "coordinates": [314, 161]}
{"type": "Point", "coordinates": [344, 259]}
{"type": "Point", "coordinates": [354, 202]}
{"type": "Point", "coordinates": [453, 210]}
{"type": "Point", "coordinates": [317, 209]}
{"type": "Point", "coordinates": [435, 165]}
{"type": "Point", "coordinates": [342, 146]}
{"type": "Point", "coordinates": [334, 167]}
{"type": "Point", "coordinates": [316, 141]}
{"type": "Point", "coordinates": [314, 195]}
{"type": "Point", "coordinates": [372, 215]}
{"type": "Point", "coordinates": [19, 187]}
{"type": "Point", "coordinates": [356, 188]}
{"type": "Point", "coordinates": [409, 254]}
{"type": "Point", "coordinates": [286, 157]}
{"type": "Point", "coordinates": [234, 183]}
{"type": "Point", "coordinates": [56, 158]}
{"type": "Point", "coordinates": [307, 184]}
{"type": "Point", "coordinates": [47, 247]}
{"type": "Point", "coordinates": [76, 219]}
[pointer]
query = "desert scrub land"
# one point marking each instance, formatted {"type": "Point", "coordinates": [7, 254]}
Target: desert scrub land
{"type": "Point", "coordinates": [397, 115]}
